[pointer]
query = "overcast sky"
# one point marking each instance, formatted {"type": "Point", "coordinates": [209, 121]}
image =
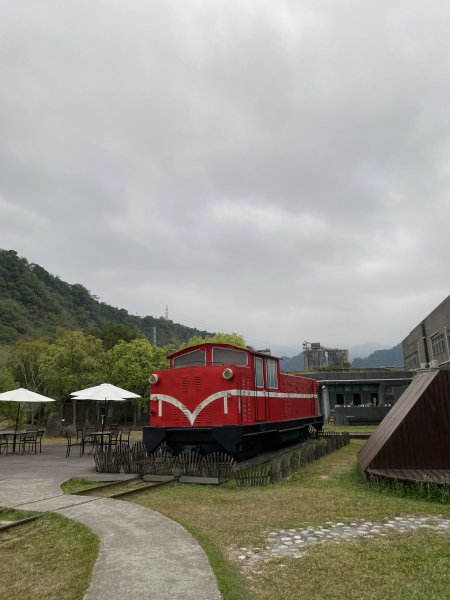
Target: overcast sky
{"type": "Point", "coordinates": [278, 169]}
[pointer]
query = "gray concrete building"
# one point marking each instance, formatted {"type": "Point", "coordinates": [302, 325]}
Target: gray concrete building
{"type": "Point", "coordinates": [356, 387]}
{"type": "Point", "coordinates": [371, 392]}
{"type": "Point", "coordinates": [428, 344]}
{"type": "Point", "coordinates": [317, 356]}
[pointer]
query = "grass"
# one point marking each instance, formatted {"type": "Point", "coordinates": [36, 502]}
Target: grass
{"type": "Point", "coordinates": [75, 485]}
{"type": "Point", "coordinates": [400, 567]}
{"type": "Point", "coordinates": [351, 428]}
{"type": "Point", "coordinates": [49, 558]}
{"type": "Point", "coordinates": [11, 514]}
{"type": "Point", "coordinates": [331, 489]}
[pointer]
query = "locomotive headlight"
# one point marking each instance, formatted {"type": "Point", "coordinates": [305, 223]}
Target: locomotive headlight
{"type": "Point", "coordinates": [227, 373]}
{"type": "Point", "coordinates": [153, 379]}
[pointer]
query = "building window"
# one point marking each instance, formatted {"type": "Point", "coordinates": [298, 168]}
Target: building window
{"type": "Point", "coordinates": [412, 361]}
{"type": "Point", "coordinates": [438, 343]}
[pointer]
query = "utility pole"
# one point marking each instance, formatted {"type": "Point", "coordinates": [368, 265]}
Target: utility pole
{"type": "Point", "coordinates": [154, 335]}
{"type": "Point", "coordinates": [167, 312]}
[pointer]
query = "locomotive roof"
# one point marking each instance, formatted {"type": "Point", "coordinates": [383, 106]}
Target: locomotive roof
{"type": "Point", "coordinates": [218, 345]}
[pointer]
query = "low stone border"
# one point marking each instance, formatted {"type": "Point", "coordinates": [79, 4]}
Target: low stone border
{"type": "Point", "coordinates": [293, 543]}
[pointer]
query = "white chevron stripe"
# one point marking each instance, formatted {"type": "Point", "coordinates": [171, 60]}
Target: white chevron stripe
{"type": "Point", "coordinates": [193, 415]}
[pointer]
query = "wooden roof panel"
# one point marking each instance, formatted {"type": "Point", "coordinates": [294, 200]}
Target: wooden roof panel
{"type": "Point", "coordinates": [416, 432]}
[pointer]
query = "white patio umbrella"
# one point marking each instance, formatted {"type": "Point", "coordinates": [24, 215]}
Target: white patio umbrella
{"type": "Point", "coordinates": [106, 392]}
{"type": "Point", "coordinates": [23, 395]}
{"type": "Point", "coordinates": [104, 388]}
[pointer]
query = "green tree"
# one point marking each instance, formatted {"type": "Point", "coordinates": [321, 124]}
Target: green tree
{"type": "Point", "coordinates": [235, 339]}
{"type": "Point", "coordinates": [25, 363]}
{"type": "Point", "coordinates": [74, 361]}
{"type": "Point", "coordinates": [8, 410]}
{"type": "Point", "coordinates": [131, 364]}
{"type": "Point", "coordinates": [112, 333]}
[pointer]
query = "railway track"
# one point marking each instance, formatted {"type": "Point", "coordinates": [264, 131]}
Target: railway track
{"type": "Point", "coordinates": [143, 486]}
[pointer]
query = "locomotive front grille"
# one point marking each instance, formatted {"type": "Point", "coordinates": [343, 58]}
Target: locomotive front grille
{"type": "Point", "coordinates": [205, 416]}
{"type": "Point", "coordinates": [191, 384]}
{"type": "Point", "coordinates": [178, 418]}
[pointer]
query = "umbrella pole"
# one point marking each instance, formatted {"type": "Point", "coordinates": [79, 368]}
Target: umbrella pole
{"type": "Point", "coordinates": [17, 418]}
{"type": "Point", "coordinates": [15, 427]}
{"type": "Point", "coordinates": [104, 416]}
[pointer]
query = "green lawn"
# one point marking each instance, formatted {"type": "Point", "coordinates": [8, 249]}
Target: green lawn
{"type": "Point", "coordinates": [224, 518]}
{"type": "Point", "coordinates": [49, 558]}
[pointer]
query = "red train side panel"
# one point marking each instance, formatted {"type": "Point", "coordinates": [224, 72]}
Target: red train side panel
{"type": "Point", "coordinates": [222, 397]}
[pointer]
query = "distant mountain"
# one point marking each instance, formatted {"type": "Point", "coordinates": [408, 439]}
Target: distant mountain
{"type": "Point", "coordinates": [33, 303]}
{"type": "Point", "coordinates": [381, 358]}
{"type": "Point", "coordinates": [363, 350]}
{"type": "Point", "coordinates": [296, 363]}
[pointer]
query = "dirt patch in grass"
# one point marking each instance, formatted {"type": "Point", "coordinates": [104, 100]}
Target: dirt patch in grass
{"type": "Point", "coordinates": [49, 558]}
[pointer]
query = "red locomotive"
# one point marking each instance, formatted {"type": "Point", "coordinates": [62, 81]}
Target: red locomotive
{"type": "Point", "coordinates": [221, 397]}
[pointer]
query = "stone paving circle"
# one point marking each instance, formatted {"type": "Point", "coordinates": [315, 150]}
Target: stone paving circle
{"type": "Point", "coordinates": [293, 543]}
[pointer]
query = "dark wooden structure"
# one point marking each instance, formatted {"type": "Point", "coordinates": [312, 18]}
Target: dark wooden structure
{"type": "Point", "coordinates": [413, 440]}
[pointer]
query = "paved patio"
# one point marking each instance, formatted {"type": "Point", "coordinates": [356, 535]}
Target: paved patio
{"type": "Point", "coordinates": [142, 554]}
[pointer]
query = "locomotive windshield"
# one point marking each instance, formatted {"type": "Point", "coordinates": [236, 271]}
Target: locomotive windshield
{"type": "Point", "coordinates": [227, 356]}
{"type": "Point", "coordinates": [220, 356]}
{"type": "Point", "coordinates": [196, 358]}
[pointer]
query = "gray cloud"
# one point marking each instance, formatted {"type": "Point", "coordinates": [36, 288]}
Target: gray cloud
{"type": "Point", "coordinates": [277, 169]}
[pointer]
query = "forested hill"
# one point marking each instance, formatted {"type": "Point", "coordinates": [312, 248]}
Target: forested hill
{"type": "Point", "coordinates": [381, 358]}
{"type": "Point", "coordinates": [33, 302]}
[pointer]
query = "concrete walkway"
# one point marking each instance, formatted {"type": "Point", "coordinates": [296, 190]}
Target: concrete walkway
{"type": "Point", "coordinates": [142, 555]}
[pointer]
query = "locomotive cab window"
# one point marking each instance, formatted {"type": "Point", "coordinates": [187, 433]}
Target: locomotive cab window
{"type": "Point", "coordinates": [196, 358]}
{"type": "Point", "coordinates": [271, 373]}
{"type": "Point", "coordinates": [226, 356]}
{"type": "Point", "coordinates": [259, 374]}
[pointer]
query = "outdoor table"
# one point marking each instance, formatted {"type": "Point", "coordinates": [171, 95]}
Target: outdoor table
{"type": "Point", "coordinates": [13, 436]}
{"type": "Point", "coordinates": [100, 438]}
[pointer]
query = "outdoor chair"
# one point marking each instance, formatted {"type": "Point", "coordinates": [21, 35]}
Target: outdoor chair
{"type": "Point", "coordinates": [71, 442]}
{"type": "Point", "coordinates": [114, 439]}
{"type": "Point", "coordinates": [88, 438]}
{"type": "Point", "coordinates": [125, 437]}
{"type": "Point", "coordinates": [40, 433]}
{"type": "Point", "coordinates": [28, 443]}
